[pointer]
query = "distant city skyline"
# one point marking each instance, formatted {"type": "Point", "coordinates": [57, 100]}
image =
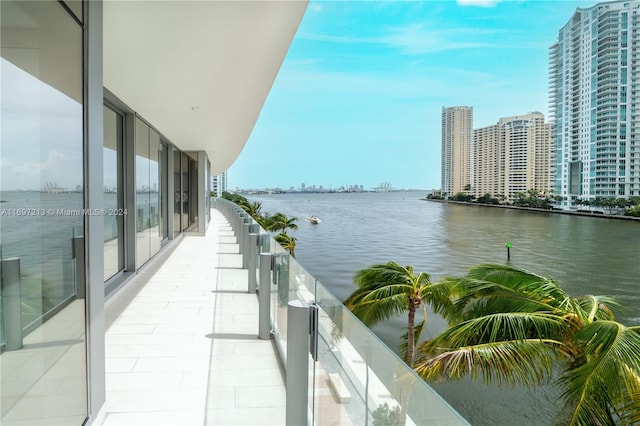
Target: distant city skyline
{"type": "Point", "coordinates": [386, 186]}
{"type": "Point", "coordinates": [360, 93]}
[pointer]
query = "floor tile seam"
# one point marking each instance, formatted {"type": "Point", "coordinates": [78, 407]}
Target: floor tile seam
{"type": "Point", "coordinates": [216, 258]}
{"type": "Point", "coordinates": [215, 367]}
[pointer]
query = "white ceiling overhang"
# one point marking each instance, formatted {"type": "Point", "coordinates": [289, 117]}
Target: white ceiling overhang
{"type": "Point", "coordinates": [198, 71]}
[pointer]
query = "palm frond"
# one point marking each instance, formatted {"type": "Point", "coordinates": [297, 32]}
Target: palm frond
{"type": "Point", "coordinates": [519, 280]}
{"type": "Point", "coordinates": [597, 307]}
{"type": "Point", "coordinates": [499, 327]}
{"type": "Point", "coordinates": [630, 410]}
{"type": "Point", "coordinates": [596, 385]}
{"type": "Point", "coordinates": [382, 292]}
{"type": "Point", "coordinates": [382, 273]}
{"type": "Point", "coordinates": [529, 362]}
{"type": "Point", "coordinates": [375, 312]}
{"type": "Point", "coordinates": [492, 288]}
{"type": "Point", "coordinates": [439, 296]}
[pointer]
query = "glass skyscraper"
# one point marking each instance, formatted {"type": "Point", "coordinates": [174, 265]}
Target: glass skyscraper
{"type": "Point", "coordinates": [594, 82]}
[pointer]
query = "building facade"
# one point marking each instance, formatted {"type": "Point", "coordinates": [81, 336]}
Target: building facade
{"type": "Point", "coordinates": [488, 159]}
{"type": "Point", "coordinates": [112, 122]}
{"type": "Point", "coordinates": [512, 156]}
{"type": "Point", "coordinates": [594, 83]}
{"type": "Point", "coordinates": [456, 161]}
{"type": "Point", "coordinates": [219, 184]}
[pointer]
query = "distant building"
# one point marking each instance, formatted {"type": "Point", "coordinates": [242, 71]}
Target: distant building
{"type": "Point", "coordinates": [512, 156]}
{"type": "Point", "coordinates": [219, 184]}
{"type": "Point", "coordinates": [457, 133]}
{"type": "Point", "coordinates": [594, 103]}
{"type": "Point", "coordinates": [488, 155]}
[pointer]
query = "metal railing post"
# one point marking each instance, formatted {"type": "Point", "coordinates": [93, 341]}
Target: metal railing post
{"type": "Point", "coordinates": [12, 305]}
{"type": "Point", "coordinates": [236, 220]}
{"type": "Point", "coordinates": [264, 296]}
{"type": "Point", "coordinates": [240, 234]}
{"type": "Point", "coordinates": [297, 388]}
{"type": "Point", "coordinates": [246, 247]}
{"type": "Point", "coordinates": [252, 262]}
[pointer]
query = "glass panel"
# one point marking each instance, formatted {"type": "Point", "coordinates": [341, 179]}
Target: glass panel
{"type": "Point", "coordinates": [207, 186]}
{"type": "Point", "coordinates": [113, 194]}
{"type": "Point", "coordinates": [185, 192]}
{"type": "Point", "coordinates": [143, 218]}
{"type": "Point", "coordinates": [155, 233]}
{"type": "Point", "coordinates": [177, 198]}
{"type": "Point", "coordinates": [193, 193]}
{"type": "Point", "coordinates": [42, 359]}
{"type": "Point", "coordinates": [163, 193]}
{"type": "Point", "coordinates": [359, 367]}
{"type": "Point", "coordinates": [352, 358]}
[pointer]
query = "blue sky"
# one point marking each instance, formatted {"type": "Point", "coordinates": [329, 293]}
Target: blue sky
{"type": "Point", "coordinates": [358, 99]}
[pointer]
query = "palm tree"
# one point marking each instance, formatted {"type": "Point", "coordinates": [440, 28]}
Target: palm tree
{"type": "Point", "coordinates": [252, 208]}
{"type": "Point", "coordinates": [264, 220]}
{"type": "Point", "coordinates": [512, 326]}
{"type": "Point", "coordinates": [287, 242]}
{"type": "Point", "coordinates": [280, 222]}
{"type": "Point", "coordinates": [388, 290]}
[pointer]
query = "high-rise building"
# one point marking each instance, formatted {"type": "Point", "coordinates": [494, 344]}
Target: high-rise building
{"type": "Point", "coordinates": [512, 156]}
{"type": "Point", "coordinates": [488, 156]}
{"type": "Point", "coordinates": [219, 184]}
{"type": "Point", "coordinates": [593, 84]}
{"type": "Point", "coordinates": [457, 133]}
{"type": "Point", "coordinates": [223, 181]}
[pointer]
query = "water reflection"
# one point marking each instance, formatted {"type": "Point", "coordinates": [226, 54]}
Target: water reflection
{"type": "Point", "coordinates": [42, 330]}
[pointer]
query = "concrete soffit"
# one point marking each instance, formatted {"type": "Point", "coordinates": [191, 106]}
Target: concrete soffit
{"type": "Point", "coordinates": [198, 71]}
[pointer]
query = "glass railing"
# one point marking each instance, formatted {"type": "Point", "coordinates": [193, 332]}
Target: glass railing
{"type": "Point", "coordinates": [356, 379]}
{"type": "Point", "coordinates": [38, 283]}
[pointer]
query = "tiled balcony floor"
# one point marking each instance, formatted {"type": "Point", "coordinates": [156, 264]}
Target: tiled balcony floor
{"type": "Point", "coordinates": [182, 348]}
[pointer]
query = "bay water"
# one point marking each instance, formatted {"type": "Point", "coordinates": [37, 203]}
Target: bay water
{"type": "Point", "coordinates": [586, 255]}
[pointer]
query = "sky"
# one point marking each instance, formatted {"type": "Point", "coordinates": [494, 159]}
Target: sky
{"type": "Point", "coordinates": [359, 97]}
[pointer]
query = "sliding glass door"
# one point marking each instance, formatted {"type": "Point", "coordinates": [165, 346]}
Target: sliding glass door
{"type": "Point", "coordinates": [151, 189]}
{"type": "Point", "coordinates": [113, 193]}
{"type": "Point", "coordinates": [43, 368]}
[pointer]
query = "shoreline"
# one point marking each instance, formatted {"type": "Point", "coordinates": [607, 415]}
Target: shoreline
{"type": "Point", "coordinates": [536, 210]}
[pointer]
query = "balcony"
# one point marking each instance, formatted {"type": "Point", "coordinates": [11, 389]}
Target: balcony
{"type": "Point", "coordinates": [187, 344]}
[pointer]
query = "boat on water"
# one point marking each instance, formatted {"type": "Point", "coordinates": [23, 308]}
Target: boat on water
{"type": "Point", "coordinates": [314, 219]}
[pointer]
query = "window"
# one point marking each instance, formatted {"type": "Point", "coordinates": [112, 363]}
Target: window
{"type": "Point", "coordinates": [150, 191]}
{"type": "Point", "coordinates": [177, 199]}
{"type": "Point", "coordinates": [42, 172]}
{"type": "Point", "coordinates": [113, 192]}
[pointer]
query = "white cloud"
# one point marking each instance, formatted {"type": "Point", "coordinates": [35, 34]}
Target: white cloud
{"type": "Point", "coordinates": [480, 3]}
{"type": "Point", "coordinates": [54, 161]}
{"type": "Point", "coordinates": [415, 39]}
